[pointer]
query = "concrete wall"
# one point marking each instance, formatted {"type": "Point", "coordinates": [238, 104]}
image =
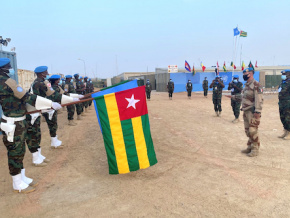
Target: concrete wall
{"type": "Point", "coordinates": [26, 78]}
{"type": "Point", "coordinates": [151, 79]}
{"type": "Point", "coordinates": [161, 81]}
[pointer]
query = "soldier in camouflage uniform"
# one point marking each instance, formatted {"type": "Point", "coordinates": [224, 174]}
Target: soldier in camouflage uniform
{"type": "Point", "coordinates": [252, 102]}
{"type": "Point", "coordinates": [284, 103]}
{"type": "Point", "coordinates": [189, 88]}
{"type": "Point", "coordinates": [79, 90]}
{"type": "Point", "coordinates": [170, 88]}
{"type": "Point", "coordinates": [148, 89]}
{"type": "Point", "coordinates": [42, 88]}
{"type": "Point", "coordinates": [70, 90]}
{"type": "Point", "coordinates": [217, 89]}
{"type": "Point", "coordinates": [205, 87]}
{"type": "Point", "coordinates": [236, 88]}
{"type": "Point", "coordinates": [87, 91]}
{"type": "Point", "coordinates": [13, 100]}
{"type": "Point", "coordinates": [91, 85]}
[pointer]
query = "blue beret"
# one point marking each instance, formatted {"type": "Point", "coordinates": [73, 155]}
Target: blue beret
{"type": "Point", "coordinates": [68, 76]}
{"type": "Point", "coordinates": [40, 69]}
{"type": "Point", "coordinates": [76, 74]}
{"type": "Point", "coordinates": [85, 77]}
{"type": "Point", "coordinates": [285, 71]}
{"type": "Point", "coordinates": [81, 77]}
{"type": "Point", "coordinates": [62, 79]}
{"type": "Point", "coordinates": [4, 61]}
{"type": "Point", "coordinates": [248, 69]}
{"type": "Point", "coordinates": [236, 76]}
{"type": "Point", "coordinates": [55, 77]}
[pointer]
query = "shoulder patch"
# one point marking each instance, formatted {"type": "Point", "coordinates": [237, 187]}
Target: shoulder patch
{"type": "Point", "coordinates": [17, 90]}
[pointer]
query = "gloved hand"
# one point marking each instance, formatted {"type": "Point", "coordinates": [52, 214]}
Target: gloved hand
{"type": "Point", "coordinates": [81, 96]}
{"type": "Point", "coordinates": [76, 99]}
{"type": "Point", "coordinates": [56, 106]}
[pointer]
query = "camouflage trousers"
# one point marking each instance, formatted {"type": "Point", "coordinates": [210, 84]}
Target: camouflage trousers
{"type": "Point", "coordinates": [33, 137]}
{"type": "Point", "coordinates": [217, 104]}
{"type": "Point", "coordinates": [52, 124]}
{"type": "Point", "coordinates": [90, 103]}
{"type": "Point", "coordinates": [284, 109]}
{"type": "Point", "coordinates": [70, 112]}
{"type": "Point", "coordinates": [236, 106]}
{"type": "Point", "coordinates": [251, 128]}
{"type": "Point", "coordinates": [86, 104]}
{"type": "Point", "coordinates": [148, 94]}
{"type": "Point", "coordinates": [16, 149]}
{"type": "Point", "coordinates": [79, 108]}
{"type": "Point", "coordinates": [205, 92]}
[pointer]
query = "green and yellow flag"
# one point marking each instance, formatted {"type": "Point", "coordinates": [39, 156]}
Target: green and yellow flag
{"type": "Point", "coordinates": [243, 34]}
{"type": "Point", "coordinates": [126, 130]}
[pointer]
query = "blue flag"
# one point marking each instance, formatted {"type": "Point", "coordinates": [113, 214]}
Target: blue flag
{"type": "Point", "coordinates": [121, 87]}
{"type": "Point", "coordinates": [236, 31]}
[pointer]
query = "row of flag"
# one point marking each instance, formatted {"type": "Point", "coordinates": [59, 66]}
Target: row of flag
{"type": "Point", "coordinates": [188, 68]}
{"type": "Point", "coordinates": [240, 33]}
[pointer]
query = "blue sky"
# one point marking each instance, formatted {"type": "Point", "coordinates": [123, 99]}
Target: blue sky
{"type": "Point", "coordinates": [143, 33]}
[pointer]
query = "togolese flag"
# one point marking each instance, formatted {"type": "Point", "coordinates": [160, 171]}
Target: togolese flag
{"type": "Point", "coordinates": [126, 131]}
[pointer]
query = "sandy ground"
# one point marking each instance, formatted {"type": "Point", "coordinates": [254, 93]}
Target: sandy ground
{"type": "Point", "coordinates": [201, 172]}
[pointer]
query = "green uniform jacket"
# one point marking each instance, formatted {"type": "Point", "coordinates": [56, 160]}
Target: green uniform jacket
{"type": "Point", "coordinates": [189, 86]}
{"type": "Point", "coordinates": [284, 93]}
{"type": "Point", "coordinates": [217, 90]}
{"type": "Point", "coordinates": [205, 84]}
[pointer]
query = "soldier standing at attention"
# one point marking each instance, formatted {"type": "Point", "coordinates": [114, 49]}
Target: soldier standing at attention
{"type": "Point", "coordinates": [236, 88]}
{"type": "Point", "coordinates": [42, 87]}
{"type": "Point", "coordinates": [148, 89]}
{"type": "Point", "coordinates": [170, 88]}
{"type": "Point", "coordinates": [87, 90]}
{"type": "Point", "coordinates": [217, 88]}
{"type": "Point", "coordinates": [205, 87]}
{"type": "Point", "coordinates": [91, 85]}
{"type": "Point", "coordinates": [189, 88]}
{"type": "Point", "coordinates": [13, 101]}
{"type": "Point", "coordinates": [284, 103]}
{"type": "Point", "coordinates": [79, 90]}
{"type": "Point", "coordinates": [252, 102]}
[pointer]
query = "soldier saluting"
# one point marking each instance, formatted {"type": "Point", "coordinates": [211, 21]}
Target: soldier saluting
{"type": "Point", "coordinates": [284, 103]}
{"type": "Point", "coordinates": [252, 102]}
{"type": "Point", "coordinates": [217, 88]}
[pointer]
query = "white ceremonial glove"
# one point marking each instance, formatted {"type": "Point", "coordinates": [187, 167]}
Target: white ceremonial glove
{"type": "Point", "coordinates": [76, 99]}
{"type": "Point", "coordinates": [56, 106]}
{"type": "Point", "coordinates": [81, 96]}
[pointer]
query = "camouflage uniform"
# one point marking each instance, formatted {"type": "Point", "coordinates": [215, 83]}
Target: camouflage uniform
{"type": "Point", "coordinates": [43, 89]}
{"type": "Point", "coordinates": [205, 87]}
{"type": "Point", "coordinates": [236, 99]}
{"type": "Point", "coordinates": [217, 89]}
{"type": "Point", "coordinates": [170, 87]}
{"type": "Point", "coordinates": [284, 103]}
{"type": "Point", "coordinates": [69, 88]}
{"type": "Point", "coordinates": [148, 89]}
{"type": "Point", "coordinates": [252, 102]}
{"type": "Point", "coordinates": [189, 89]}
{"type": "Point", "coordinates": [91, 86]}
{"type": "Point", "coordinates": [78, 88]}
{"type": "Point", "coordinates": [13, 105]}
{"type": "Point", "coordinates": [87, 91]}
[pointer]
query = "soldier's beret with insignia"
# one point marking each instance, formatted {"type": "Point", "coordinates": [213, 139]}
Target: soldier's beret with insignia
{"type": "Point", "coordinates": [54, 77]}
{"type": "Point", "coordinates": [40, 69]}
{"type": "Point", "coordinates": [248, 70]}
{"type": "Point", "coordinates": [285, 71]}
{"type": "Point", "coordinates": [76, 74]}
{"type": "Point", "coordinates": [85, 77]}
{"type": "Point", "coordinates": [236, 76]}
{"type": "Point", "coordinates": [68, 76]}
{"type": "Point", "coordinates": [4, 61]}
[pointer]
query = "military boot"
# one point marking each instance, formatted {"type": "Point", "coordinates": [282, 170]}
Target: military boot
{"type": "Point", "coordinates": [27, 180]}
{"type": "Point", "coordinates": [220, 113]}
{"type": "Point", "coordinates": [217, 113]}
{"type": "Point", "coordinates": [71, 123]}
{"type": "Point", "coordinates": [284, 134]}
{"type": "Point", "coordinates": [247, 150]}
{"type": "Point", "coordinates": [79, 117]}
{"type": "Point", "coordinates": [19, 186]}
{"type": "Point", "coordinates": [287, 137]}
{"type": "Point", "coordinates": [254, 152]}
{"type": "Point", "coordinates": [236, 120]}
